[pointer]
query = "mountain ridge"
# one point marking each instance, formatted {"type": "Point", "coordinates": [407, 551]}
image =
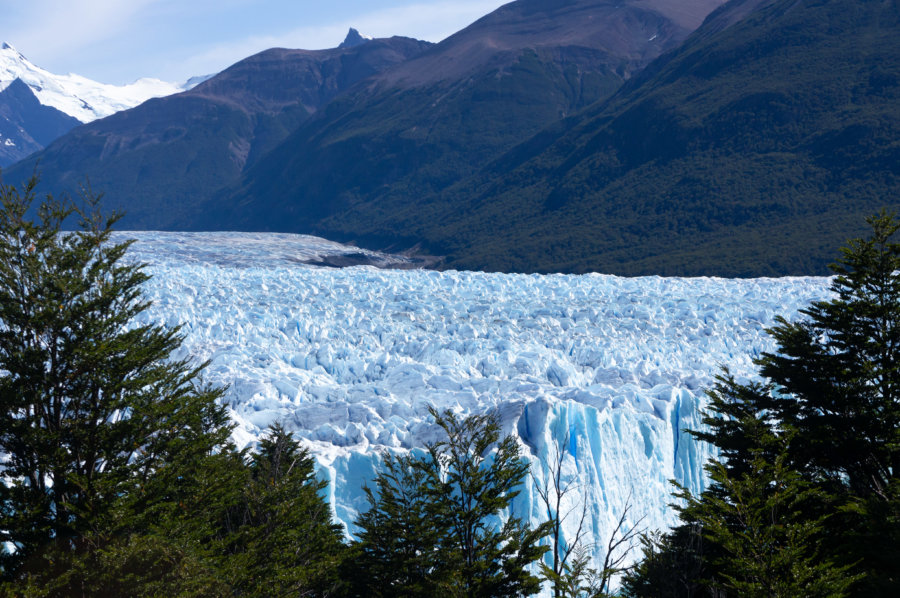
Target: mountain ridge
{"type": "Point", "coordinates": [77, 96]}
{"type": "Point", "coordinates": [157, 158]}
{"type": "Point", "coordinates": [26, 125]}
{"type": "Point", "coordinates": [425, 124]}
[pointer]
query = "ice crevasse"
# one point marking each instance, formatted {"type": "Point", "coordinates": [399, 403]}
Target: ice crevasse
{"type": "Point", "coordinates": [606, 371]}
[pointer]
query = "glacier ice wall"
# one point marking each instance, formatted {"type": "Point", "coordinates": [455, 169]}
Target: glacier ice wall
{"type": "Point", "coordinates": [606, 371]}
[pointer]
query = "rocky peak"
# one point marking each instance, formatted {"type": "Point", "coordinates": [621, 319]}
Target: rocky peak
{"type": "Point", "coordinates": [354, 39]}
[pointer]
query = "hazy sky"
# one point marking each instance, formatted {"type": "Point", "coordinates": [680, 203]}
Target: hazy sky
{"type": "Point", "coordinates": [118, 41]}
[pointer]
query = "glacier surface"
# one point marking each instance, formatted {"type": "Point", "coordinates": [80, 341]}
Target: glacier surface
{"type": "Point", "coordinates": [606, 371]}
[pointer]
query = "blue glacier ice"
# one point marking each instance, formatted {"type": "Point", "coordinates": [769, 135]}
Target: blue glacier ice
{"type": "Point", "coordinates": [607, 370]}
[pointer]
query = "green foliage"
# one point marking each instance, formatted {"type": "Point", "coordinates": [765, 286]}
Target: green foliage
{"type": "Point", "coordinates": [805, 500]}
{"type": "Point", "coordinates": [735, 155]}
{"type": "Point", "coordinates": [673, 565]}
{"type": "Point", "coordinates": [839, 369]}
{"type": "Point", "coordinates": [769, 546]}
{"type": "Point", "coordinates": [279, 539]}
{"type": "Point", "coordinates": [577, 579]}
{"type": "Point", "coordinates": [91, 405]}
{"type": "Point", "coordinates": [474, 484]}
{"type": "Point", "coordinates": [433, 521]}
{"type": "Point", "coordinates": [398, 551]}
{"type": "Point", "coordinates": [120, 479]}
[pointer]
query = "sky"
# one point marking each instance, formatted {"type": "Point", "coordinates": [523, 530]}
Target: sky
{"type": "Point", "coordinates": [118, 41]}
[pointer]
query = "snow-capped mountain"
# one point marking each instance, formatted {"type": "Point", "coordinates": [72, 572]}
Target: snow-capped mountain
{"type": "Point", "coordinates": [609, 371]}
{"type": "Point", "coordinates": [77, 96]}
{"type": "Point", "coordinates": [26, 125]}
{"type": "Point", "coordinates": [37, 106]}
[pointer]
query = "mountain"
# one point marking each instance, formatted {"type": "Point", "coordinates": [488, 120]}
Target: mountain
{"type": "Point", "coordinates": [380, 122]}
{"type": "Point", "coordinates": [354, 38]}
{"type": "Point", "coordinates": [161, 158]}
{"type": "Point", "coordinates": [422, 126]}
{"type": "Point", "coordinates": [37, 106]}
{"type": "Point", "coordinates": [754, 149]}
{"type": "Point", "coordinates": [26, 125]}
{"type": "Point", "coordinates": [78, 96]}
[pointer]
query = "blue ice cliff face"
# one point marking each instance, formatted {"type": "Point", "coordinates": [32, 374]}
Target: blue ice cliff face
{"type": "Point", "coordinates": [606, 371]}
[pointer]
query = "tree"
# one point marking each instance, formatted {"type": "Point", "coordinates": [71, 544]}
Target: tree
{"type": "Point", "coordinates": [575, 578]}
{"type": "Point", "coordinates": [473, 476]}
{"type": "Point", "coordinates": [91, 404]}
{"type": "Point", "coordinates": [553, 491]}
{"type": "Point", "coordinates": [673, 565]}
{"type": "Point", "coordinates": [233, 524]}
{"type": "Point", "coordinates": [837, 370]}
{"type": "Point", "coordinates": [399, 541]}
{"type": "Point", "coordinates": [278, 540]}
{"type": "Point", "coordinates": [805, 499]}
{"type": "Point", "coordinates": [836, 390]}
{"type": "Point", "coordinates": [769, 546]}
{"type": "Point", "coordinates": [435, 521]}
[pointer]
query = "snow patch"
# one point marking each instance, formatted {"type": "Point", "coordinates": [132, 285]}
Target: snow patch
{"type": "Point", "coordinates": [78, 96]}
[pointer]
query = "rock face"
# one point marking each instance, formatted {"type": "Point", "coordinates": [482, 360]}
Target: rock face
{"type": "Point", "coordinates": [26, 125]}
{"type": "Point", "coordinates": [353, 39]}
{"type": "Point", "coordinates": [160, 159]}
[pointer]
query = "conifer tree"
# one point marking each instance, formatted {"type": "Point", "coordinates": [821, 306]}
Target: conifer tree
{"type": "Point", "coordinates": [439, 517]}
{"type": "Point", "coordinates": [279, 540]}
{"type": "Point", "coordinates": [810, 456]}
{"type": "Point", "coordinates": [473, 476]}
{"type": "Point", "coordinates": [92, 405]}
{"type": "Point", "coordinates": [398, 549]}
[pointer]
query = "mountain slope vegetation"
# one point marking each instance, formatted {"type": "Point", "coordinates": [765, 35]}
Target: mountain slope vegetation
{"type": "Point", "coordinates": [751, 150]}
{"type": "Point", "coordinates": [414, 130]}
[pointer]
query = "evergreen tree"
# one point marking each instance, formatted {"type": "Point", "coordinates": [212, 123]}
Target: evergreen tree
{"type": "Point", "coordinates": [473, 476]}
{"type": "Point", "coordinates": [837, 370]}
{"type": "Point", "coordinates": [433, 526]}
{"type": "Point", "coordinates": [769, 547]}
{"type": "Point", "coordinates": [232, 524]}
{"type": "Point", "coordinates": [397, 552]}
{"type": "Point", "coordinates": [279, 539]}
{"type": "Point", "coordinates": [91, 404]}
{"type": "Point", "coordinates": [673, 565]}
{"type": "Point", "coordinates": [810, 456]}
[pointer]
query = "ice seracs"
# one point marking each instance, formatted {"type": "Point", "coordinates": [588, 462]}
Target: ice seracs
{"type": "Point", "coordinates": [78, 96]}
{"type": "Point", "coordinates": [608, 370]}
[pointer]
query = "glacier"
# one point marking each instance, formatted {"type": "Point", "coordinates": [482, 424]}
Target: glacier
{"type": "Point", "coordinates": [606, 371]}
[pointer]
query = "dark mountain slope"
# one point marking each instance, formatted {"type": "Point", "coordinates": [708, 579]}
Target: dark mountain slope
{"type": "Point", "coordinates": [26, 125]}
{"type": "Point", "coordinates": [754, 149]}
{"type": "Point", "coordinates": [156, 161]}
{"type": "Point", "coordinates": [420, 127]}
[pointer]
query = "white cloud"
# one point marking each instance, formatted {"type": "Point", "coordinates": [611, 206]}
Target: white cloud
{"type": "Point", "coordinates": [51, 27]}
